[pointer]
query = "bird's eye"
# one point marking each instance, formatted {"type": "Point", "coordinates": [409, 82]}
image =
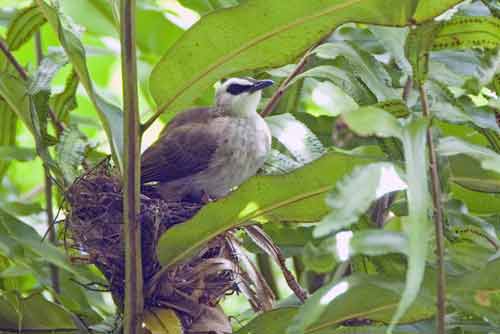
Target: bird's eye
{"type": "Point", "coordinates": [236, 89]}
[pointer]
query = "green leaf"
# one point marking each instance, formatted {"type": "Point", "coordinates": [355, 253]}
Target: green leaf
{"type": "Point", "coordinates": [340, 301]}
{"type": "Point", "coordinates": [345, 245]}
{"type": "Point", "coordinates": [373, 121]}
{"type": "Point", "coordinates": [341, 78]}
{"type": "Point", "coordinates": [65, 101]}
{"type": "Point", "coordinates": [428, 9]}
{"type": "Point", "coordinates": [489, 159]}
{"type": "Point", "coordinates": [297, 196]}
{"type": "Point", "coordinates": [205, 6]}
{"type": "Point", "coordinates": [476, 202]}
{"type": "Point", "coordinates": [23, 26]}
{"type": "Point", "coordinates": [418, 44]}
{"type": "Point", "coordinates": [239, 44]}
{"type": "Point", "coordinates": [70, 152]}
{"type": "Point", "coordinates": [468, 173]}
{"type": "Point", "coordinates": [13, 91]}
{"type": "Point", "coordinates": [301, 142]}
{"type": "Point", "coordinates": [33, 313]}
{"type": "Point", "coordinates": [363, 65]}
{"type": "Point", "coordinates": [9, 153]}
{"type": "Point", "coordinates": [278, 163]}
{"type": "Point", "coordinates": [25, 236]}
{"type": "Point", "coordinates": [333, 100]}
{"type": "Point", "coordinates": [392, 39]}
{"type": "Point", "coordinates": [355, 193]}
{"type": "Point", "coordinates": [447, 107]}
{"type": "Point", "coordinates": [417, 227]}
{"type": "Point", "coordinates": [110, 116]}
{"type": "Point", "coordinates": [468, 32]}
{"type": "Point", "coordinates": [46, 71]}
{"type": "Point", "coordinates": [275, 321]}
{"type": "Point", "coordinates": [8, 122]}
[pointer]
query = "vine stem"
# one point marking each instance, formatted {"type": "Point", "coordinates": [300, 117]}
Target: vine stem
{"type": "Point", "coordinates": [134, 297]}
{"type": "Point", "coordinates": [54, 272]}
{"type": "Point", "coordinates": [438, 218]}
{"type": "Point", "coordinates": [278, 94]}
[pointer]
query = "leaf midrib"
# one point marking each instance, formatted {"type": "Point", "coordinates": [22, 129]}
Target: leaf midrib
{"type": "Point", "coordinates": [250, 44]}
{"type": "Point", "coordinates": [250, 216]}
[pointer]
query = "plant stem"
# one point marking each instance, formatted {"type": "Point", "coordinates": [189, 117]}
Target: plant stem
{"type": "Point", "coordinates": [438, 218]}
{"type": "Point", "coordinates": [134, 298]}
{"type": "Point", "coordinates": [54, 272]}
{"type": "Point", "coordinates": [10, 57]}
{"type": "Point", "coordinates": [273, 101]}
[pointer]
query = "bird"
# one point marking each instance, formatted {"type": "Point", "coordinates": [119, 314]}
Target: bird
{"type": "Point", "coordinates": [204, 153]}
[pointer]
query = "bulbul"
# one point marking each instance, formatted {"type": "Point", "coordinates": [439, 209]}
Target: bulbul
{"type": "Point", "coordinates": [206, 152]}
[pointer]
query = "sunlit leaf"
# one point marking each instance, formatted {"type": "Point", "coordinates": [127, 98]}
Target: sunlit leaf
{"type": "Point", "coordinates": [243, 45]}
{"type": "Point", "coordinates": [373, 121]}
{"type": "Point", "coordinates": [355, 193]}
{"type": "Point", "coordinates": [301, 142]}
{"type": "Point", "coordinates": [297, 196]}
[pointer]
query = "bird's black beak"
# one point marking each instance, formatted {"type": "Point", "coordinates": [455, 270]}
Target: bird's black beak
{"type": "Point", "coordinates": [260, 84]}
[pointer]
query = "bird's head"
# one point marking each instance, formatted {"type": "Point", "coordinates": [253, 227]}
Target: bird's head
{"type": "Point", "coordinates": [240, 96]}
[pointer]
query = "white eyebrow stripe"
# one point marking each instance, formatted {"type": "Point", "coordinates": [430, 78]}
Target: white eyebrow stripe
{"type": "Point", "coordinates": [239, 81]}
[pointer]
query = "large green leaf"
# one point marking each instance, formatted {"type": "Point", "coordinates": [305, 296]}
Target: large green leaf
{"type": "Point", "coordinates": [245, 37]}
{"type": "Point", "coordinates": [297, 196]}
{"type": "Point", "coordinates": [379, 296]}
{"type": "Point", "coordinates": [110, 116]}
{"type": "Point", "coordinates": [340, 301]}
{"type": "Point", "coordinates": [98, 19]}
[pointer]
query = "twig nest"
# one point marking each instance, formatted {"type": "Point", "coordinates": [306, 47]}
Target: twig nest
{"type": "Point", "coordinates": [193, 289]}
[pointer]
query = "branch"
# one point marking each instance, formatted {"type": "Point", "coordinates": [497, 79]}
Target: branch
{"type": "Point", "coordinates": [134, 298]}
{"type": "Point", "coordinates": [273, 101]}
{"type": "Point", "coordinates": [438, 218]}
{"type": "Point", "coordinates": [54, 273]}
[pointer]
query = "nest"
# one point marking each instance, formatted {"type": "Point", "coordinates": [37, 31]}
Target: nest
{"type": "Point", "coordinates": [194, 288]}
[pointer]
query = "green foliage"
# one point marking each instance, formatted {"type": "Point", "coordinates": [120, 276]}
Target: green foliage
{"type": "Point", "coordinates": [345, 191]}
{"type": "Point", "coordinates": [295, 27]}
{"type": "Point", "coordinates": [288, 197]}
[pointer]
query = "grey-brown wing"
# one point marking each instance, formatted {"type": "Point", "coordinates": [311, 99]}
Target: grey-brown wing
{"type": "Point", "coordinates": [181, 151]}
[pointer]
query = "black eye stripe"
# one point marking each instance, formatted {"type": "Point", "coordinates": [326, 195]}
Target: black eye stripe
{"type": "Point", "coordinates": [235, 89]}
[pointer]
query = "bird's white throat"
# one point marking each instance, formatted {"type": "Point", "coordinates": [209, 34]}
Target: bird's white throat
{"type": "Point", "coordinates": [244, 104]}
